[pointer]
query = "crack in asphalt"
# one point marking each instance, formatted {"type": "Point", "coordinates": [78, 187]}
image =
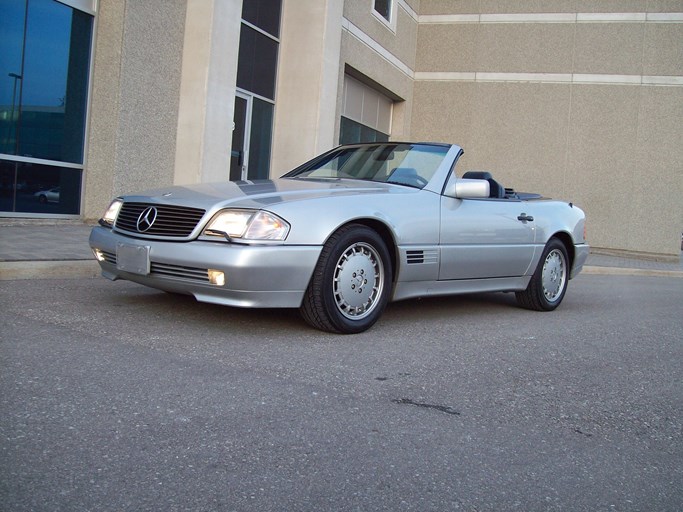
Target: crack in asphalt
{"type": "Point", "coordinates": [440, 408]}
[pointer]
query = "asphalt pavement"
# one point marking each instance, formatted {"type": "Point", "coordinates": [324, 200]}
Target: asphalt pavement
{"type": "Point", "coordinates": [34, 249]}
{"type": "Point", "coordinates": [114, 396]}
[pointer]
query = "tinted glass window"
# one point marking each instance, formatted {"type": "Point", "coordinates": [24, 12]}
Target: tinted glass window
{"type": "Point", "coordinates": [351, 132]}
{"type": "Point", "coordinates": [383, 7]}
{"type": "Point", "coordinates": [12, 15]}
{"type": "Point", "coordinates": [265, 14]}
{"type": "Point", "coordinates": [259, 142]}
{"type": "Point", "coordinates": [44, 68]}
{"type": "Point", "coordinates": [257, 63]}
{"type": "Point", "coordinates": [28, 187]}
{"type": "Point", "coordinates": [43, 104]}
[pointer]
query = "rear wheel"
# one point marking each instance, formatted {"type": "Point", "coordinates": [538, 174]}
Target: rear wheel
{"type": "Point", "coordinates": [351, 283]}
{"type": "Point", "coordinates": [549, 282]}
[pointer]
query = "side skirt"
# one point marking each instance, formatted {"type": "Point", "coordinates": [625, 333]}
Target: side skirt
{"type": "Point", "coordinates": [409, 290]}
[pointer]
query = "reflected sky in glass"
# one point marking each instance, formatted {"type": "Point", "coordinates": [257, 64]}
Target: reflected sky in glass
{"type": "Point", "coordinates": [47, 51]}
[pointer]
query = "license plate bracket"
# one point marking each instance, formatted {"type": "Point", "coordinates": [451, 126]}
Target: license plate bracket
{"type": "Point", "coordinates": [133, 258]}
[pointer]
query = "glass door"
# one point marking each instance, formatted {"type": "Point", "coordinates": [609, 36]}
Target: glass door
{"type": "Point", "coordinates": [251, 137]}
{"type": "Point", "coordinates": [239, 155]}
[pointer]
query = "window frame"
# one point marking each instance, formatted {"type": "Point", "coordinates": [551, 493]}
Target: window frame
{"type": "Point", "coordinates": [388, 23]}
{"type": "Point", "coordinates": [88, 7]}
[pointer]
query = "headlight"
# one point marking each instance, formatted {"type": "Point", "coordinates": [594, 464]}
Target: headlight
{"type": "Point", "coordinates": [248, 225]}
{"type": "Point", "coordinates": [112, 212]}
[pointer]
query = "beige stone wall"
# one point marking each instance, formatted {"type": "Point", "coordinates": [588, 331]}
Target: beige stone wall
{"type": "Point", "coordinates": [134, 99]}
{"type": "Point", "coordinates": [307, 82]}
{"type": "Point", "coordinates": [337, 37]}
{"type": "Point", "coordinates": [207, 91]}
{"type": "Point", "coordinates": [399, 38]}
{"type": "Point", "coordinates": [577, 100]}
{"type": "Point", "coordinates": [382, 55]}
{"type": "Point", "coordinates": [104, 109]}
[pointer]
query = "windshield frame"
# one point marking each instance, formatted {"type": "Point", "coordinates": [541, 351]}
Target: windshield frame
{"type": "Point", "coordinates": [400, 163]}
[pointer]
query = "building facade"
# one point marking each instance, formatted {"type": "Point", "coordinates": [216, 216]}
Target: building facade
{"type": "Point", "coordinates": [576, 99]}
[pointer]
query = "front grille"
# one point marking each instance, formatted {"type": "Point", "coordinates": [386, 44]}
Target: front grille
{"type": "Point", "coordinates": [191, 273]}
{"type": "Point", "coordinates": [170, 221]}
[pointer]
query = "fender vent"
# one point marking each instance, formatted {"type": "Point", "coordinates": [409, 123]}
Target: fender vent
{"type": "Point", "coordinates": [415, 257]}
{"type": "Point", "coordinates": [420, 257]}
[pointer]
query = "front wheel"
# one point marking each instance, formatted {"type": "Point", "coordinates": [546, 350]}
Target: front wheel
{"type": "Point", "coordinates": [351, 283]}
{"type": "Point", "coordinates": [549, 282]}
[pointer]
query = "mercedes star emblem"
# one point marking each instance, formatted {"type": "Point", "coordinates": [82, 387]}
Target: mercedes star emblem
{"type": "Point", "coordinates": [146, 219]}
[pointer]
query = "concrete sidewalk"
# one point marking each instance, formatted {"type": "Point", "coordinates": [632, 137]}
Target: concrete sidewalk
{"type": "Point", "coordinates": [44, 249]}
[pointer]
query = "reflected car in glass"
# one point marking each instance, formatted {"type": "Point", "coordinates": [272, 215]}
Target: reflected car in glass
{"type": "Point", "coordinates": [344, 234]}
{"type": "Point", "coordinates": [48, 196]}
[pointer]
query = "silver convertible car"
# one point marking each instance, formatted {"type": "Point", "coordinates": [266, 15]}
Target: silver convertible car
{"type": "Point", "coordinates": [342, 235]}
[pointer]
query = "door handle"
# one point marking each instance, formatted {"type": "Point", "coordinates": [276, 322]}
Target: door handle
{"type": "Point", "coordinates": [524, 217]}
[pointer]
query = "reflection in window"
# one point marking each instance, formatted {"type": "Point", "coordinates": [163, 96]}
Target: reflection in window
{"type": "Point", "coordinates": [260, 138]}
{"type": "Point", "coordinates": [351, 132]}
{"type": "Point", "coordinates": [257, 63]}
{"type": "Point", "coordinates": [42, 106]}
{"type": "Point", "coordinates": [264, 14]}
{"type": "Point", "coordinates": [411, 165]}
{"type": "Point", "coordinates": [34, 188]}
{"type": "Point", "coordinates": [44, 67]}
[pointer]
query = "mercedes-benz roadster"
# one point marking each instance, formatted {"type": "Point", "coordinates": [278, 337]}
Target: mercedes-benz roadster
{"type": "Point", "coordinates": [342, 235]}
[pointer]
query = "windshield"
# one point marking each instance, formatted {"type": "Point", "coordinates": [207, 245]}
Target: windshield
{"type": "Point", "coordinates": [412, 165]}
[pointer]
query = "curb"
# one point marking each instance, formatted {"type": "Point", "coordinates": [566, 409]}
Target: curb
{"type": "Point", "coordinates": [75, 269]}
{"type": "Point", "coordinates": [618, 271]}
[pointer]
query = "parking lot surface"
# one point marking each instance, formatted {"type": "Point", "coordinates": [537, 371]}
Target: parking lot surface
{"type": "Point", "coordinates": [118, 397]}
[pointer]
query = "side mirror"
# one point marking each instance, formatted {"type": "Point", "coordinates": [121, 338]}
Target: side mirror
{"type": "Point", "coordinates": [468, 189]}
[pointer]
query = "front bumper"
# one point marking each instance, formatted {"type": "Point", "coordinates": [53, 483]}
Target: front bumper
{"type": "Point", "coordinates": [581, 252]}
{"type": "Point", "coordinates": [264, 276]}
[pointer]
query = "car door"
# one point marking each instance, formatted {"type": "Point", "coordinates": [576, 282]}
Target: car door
{"type": "Point", "coordinates": [483, 238]}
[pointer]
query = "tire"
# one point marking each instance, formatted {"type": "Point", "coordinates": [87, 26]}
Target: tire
{"type": "Point", "coordinates": [548, 285]}
{"type": "Point", "coordinates": [42, 199]}
{"type": "Point", "coordinates": [351, 283]}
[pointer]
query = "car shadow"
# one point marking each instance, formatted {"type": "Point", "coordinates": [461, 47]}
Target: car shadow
{"type": "Point", "coordinates": [175, 306]}
{"type": "Point", "coordinates": [474, 303]}
{"type": "Point", "coordinates": [185, 309]}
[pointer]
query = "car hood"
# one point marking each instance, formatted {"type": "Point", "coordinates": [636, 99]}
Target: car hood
{"type": "Point", "coordinates": [261, 193]}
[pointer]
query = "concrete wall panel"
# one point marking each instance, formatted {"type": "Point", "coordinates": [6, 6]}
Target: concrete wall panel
{"type": "Point", "coordinates": [449, 7]}
{"type": "Point", "coordinates": [609, 48]}
{"type": "Point", "coordinates": [600, 163]}
{"type": "Point", "coordinates": [525, 6]}
{"type": "Point", "coordinates": [104, 109]}
{"type": "Point", "coordinates": [309, 90]}
{"type": "Point", "coordinates": [150, 89]}
{"type": "Point", "coordinates": [525, 47]}
{"type": "Point", "coordinates": [564, 108]}
{"type": "Point", "coordinates": [400, 43]}
{"type": "Point", "coordinates": [657, 206]}
{"type": "Point", "coordinates": [442, 47]}
{"type": "Point", "coordinates": [663, 49]}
